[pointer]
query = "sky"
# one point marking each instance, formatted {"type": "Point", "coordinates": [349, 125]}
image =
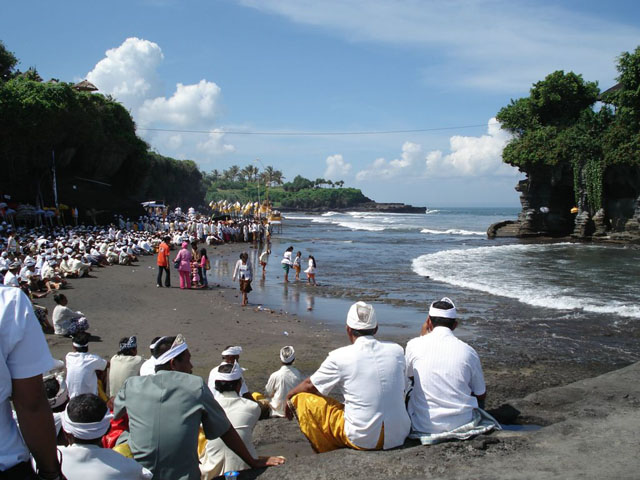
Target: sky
{"type": "Point", "coordinates": [206, 79]}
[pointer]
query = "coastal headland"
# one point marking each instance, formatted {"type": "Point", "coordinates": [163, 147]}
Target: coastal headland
{"type": "Point", "coordinates": [589, 424]}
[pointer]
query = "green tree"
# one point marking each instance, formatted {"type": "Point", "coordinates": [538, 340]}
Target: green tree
{"type": "Point", "coordinates": [8, 63]}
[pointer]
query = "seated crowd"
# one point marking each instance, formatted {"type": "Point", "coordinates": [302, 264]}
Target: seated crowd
{"type": "Point", "coordinates": [128, 417]}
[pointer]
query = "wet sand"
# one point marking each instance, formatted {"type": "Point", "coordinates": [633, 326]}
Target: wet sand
{"type": "Point", "coordinates": [120, 301]}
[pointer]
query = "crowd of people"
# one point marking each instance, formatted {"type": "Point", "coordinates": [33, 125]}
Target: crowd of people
{"type": "Point", "coordinates": [131, 417]}
{"type": "Point", "coordinates": [127, 417]}
{"type": "Point", "coordinates": [40, 260]}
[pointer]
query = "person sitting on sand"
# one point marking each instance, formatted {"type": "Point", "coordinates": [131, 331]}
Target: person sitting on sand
{"type": "Point", "coordinates": [370, 375]}
{"type": "Point", "coordinates": [448, 383]}
{"type": "Point", "coordinates": [281, 381]}
{"type": "Point", "coordinates": [217, 458]}
{"type": "Point", "coordinates": [65, 320]}
{"type": "Point", "coordinates": [124, 364]}
{"type": "Point", "coordinates": [165, 413]}
{"type": "Point", "coordinates": [84, 422]}
{"type": "Point", "coordinates": [231, 354]}
{"type": "Point", "coordinates": [84, 369]}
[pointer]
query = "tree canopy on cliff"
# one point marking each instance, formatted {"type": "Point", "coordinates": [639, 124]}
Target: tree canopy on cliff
{"type": "Point", "coordinates": [558, 126]}
{"type": "Point", "coordinates": [100, 162]}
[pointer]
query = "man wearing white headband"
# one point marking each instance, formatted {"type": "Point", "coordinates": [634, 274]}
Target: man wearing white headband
{"type": "Point", "coordinates": [84, 422]}
{"type": "Point", "coordinates": [231, 354]}
{"type": "Point", "coordinates": [165, 413]}
{"type": "Point", "coordinates": [370, 374]}
{"type": "Point", "coordinates": [84, 369]}
{"type": "Point", "coordinates": [281, 381]}
{"type": "Point", "coordinates": [243, 414]}
{"type": "Point", "coordinates": [436, 405]}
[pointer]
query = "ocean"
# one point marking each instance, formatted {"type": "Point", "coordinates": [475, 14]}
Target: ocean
{"type": "Point", "coordinates": [521, 298]}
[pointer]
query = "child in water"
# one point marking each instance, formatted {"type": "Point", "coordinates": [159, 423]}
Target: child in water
{"type": "Point", "coordinates": [296, 264]}
{"type": "Point", "coordinates": [311, 270]}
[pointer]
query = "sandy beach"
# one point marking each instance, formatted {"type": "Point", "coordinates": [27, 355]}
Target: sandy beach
{"type": "Point", "coordinates": [585, 422]}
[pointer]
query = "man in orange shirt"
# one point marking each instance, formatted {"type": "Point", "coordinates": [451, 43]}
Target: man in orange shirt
{"type": "Point", "coordinates": [163, 262]}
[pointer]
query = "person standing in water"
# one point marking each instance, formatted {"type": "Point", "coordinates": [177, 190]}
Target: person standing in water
{"type": "Point", "coordinates": [286, 263]}
{"type": "Point", "coordinates": [296, 264]}
{"type": "Point", "coordinates": [311, 270]}
{"type": "Point", "coordinates": [264, 259]}
{"type": "Point", "coordinates": [244, 273]}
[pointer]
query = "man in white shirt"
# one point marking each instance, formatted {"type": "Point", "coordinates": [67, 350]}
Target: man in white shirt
{"type": "Point", "coordinates": [231, 354]}
{"type": "Point", "coordinates": [11, 277]}
{"type": "Point", "coordinates": [84, 422]}
{"type": "Point", "coordinates": [217, 458]}
{"type": "Point", "coordinates": [281, 381]}
{"type": "Point", "coordinates": [84, 368]}
{"type": "Point", "coordinates": [24, 357]}
{"type": "Point", "coordinates": [448, 383]}
{"type": "Point", "coordinates": [370, 374]}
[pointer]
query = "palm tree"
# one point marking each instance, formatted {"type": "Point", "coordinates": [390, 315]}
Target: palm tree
{"type": "Point", "coordinates": [267, 175]}
{"type": "Point", "coordinates": [277, 178]}
{"type": "Point", "coordinates": [231, 173]}
{"type": "Point", "coordinates": [250, 173]}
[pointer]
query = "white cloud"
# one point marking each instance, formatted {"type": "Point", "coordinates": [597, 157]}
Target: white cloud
{"type": "Point", "coordinates": [129, 73]}
{"type": "Point", "coordinates": [409, 164]}
{"type": "Point", "coordinates": [190, 106]}
{"type": "Point", "coordinates": [337, 168]}
{"type": "Point", "coordinates": [468, 156]}
{"type": "Point", "coordinates": [483, 44]}
{"type": "Point", "coordinates": [214, 144]}
{"type": "Point", "coordinates": [472, 156]}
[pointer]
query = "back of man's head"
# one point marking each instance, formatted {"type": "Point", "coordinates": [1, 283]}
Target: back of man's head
{"type": "Point", "coordinates": [81, 341]}
{"type": "Point", "coordinates": [227, 385]}
{"type": "Point", "coordinates": [86, 408]}
{"type": "Point", "coordinates": [438, 311]}
{"type": "Point", "coordinates": [162, 345]}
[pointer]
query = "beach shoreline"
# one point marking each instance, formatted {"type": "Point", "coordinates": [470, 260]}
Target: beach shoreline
{"type": "Point", "coordinates": [121, 301]}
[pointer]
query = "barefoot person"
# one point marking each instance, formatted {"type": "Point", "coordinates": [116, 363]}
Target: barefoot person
{"type": "Point", "coordinates": [243, 272]}
{"type": "Point", "coordinates": [264, 259]}
{"type": "Point", "coordinates": [296, 264]}
{"type": "Point", "coordinates": [311, 270]}
{"type": "Point", "coordinates": [286, 263]}
{"type": "Point", "coordinates": [371, 376]}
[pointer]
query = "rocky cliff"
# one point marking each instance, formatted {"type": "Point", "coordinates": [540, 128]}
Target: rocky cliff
{"type": "Point", "coordinates": [550, 208]}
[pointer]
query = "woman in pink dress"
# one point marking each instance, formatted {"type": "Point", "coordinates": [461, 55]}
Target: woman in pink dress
{"type": "Point", "coordinates": [184, 266]}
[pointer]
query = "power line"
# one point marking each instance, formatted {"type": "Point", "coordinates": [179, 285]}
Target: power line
{"type": "Point", "coordinates": [315, 134]}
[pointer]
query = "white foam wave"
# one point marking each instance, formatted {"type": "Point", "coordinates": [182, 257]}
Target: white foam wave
{"type": "Point", "coordinates": [330, 214]}
{"type": "Point", "coordinates": [370, 227]}
{"type": "Point", "coordinates": [298, 217]}
{"type": "Point", "coordinates": [503, 270]}
{"type": "Point", "coordinates": [451, 231]}
{"type": "Point", "coordinates": [428, 212]}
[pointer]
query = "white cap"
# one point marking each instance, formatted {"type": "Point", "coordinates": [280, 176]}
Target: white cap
{"type": "Point", "coordinates": [362, 316]}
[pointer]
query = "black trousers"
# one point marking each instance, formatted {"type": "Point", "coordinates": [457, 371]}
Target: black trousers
{"type": "Point", "coordinates": [22, 471]}
{"type": "Point", "coordinates": [167, 282]}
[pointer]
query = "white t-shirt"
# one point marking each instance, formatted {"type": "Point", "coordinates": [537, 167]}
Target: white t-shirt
{"type": "Point", "coordinates": [23, 354]}
{"type": "Point", "coordinates": [83, 461]}
{"type": "Point", "coordinates": [278, 385]}
{"type": "Point", "coordinates": [81, 372]}
{"type": "Point", "coordinates": [446, 371]}
{"type": "Point", "coordinates": [148, 367]}
{"type": "Point", "coordinates": [371, 377]}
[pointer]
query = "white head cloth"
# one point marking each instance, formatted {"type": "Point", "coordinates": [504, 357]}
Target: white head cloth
{"type": "Point", "coordinates": [234, 374]}
{"type": "Point", "coordinates": [155, 344]}
{"type": "Point", "coordinates": [63, 393]}
{"type": "Point", "coordinates": [437, 312]}
{"type": "Point", "coordinates": [232, 351]}
{"type": "Point", "coordinates": [287, 354]}
{"type": "Point", "coordinates": [362, 316]}
{"type": "Point", "coordinates": [179, 345]}
{"type": "Point", "coordinates": [86, 431]}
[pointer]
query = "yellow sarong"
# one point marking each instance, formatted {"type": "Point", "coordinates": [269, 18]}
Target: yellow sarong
{"type": "Point", "coordinates": [321, 420]}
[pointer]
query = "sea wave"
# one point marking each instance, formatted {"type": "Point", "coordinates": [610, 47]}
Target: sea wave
{"type": "Point", "coordinates": [451, 231]}
{"type": "Point", "coordinates": [298, 217]}
{"type": "Point", "coordinates": [330, 214]}
{"type": "Point", "coordinates": [504, 271]}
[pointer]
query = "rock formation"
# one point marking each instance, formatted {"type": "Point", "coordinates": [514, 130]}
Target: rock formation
{"type": "Point", "coordinates": [547, 198]}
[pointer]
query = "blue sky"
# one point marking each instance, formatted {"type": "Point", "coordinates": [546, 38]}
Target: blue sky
{"type": "Point", "coordinates": [330, 66]}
